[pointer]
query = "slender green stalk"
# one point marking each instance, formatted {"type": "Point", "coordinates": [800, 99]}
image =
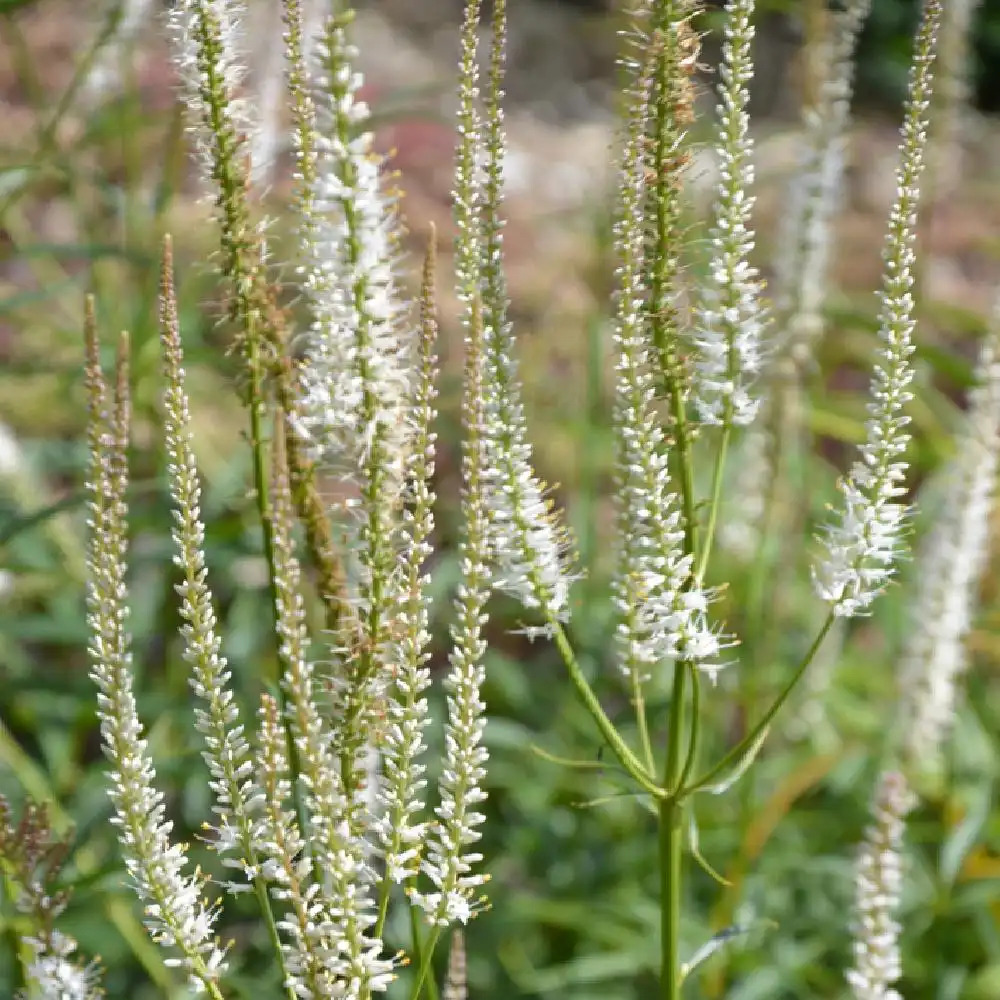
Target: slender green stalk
{"type": "Point", "coordinates": [694, 735]}
{"type": "Point", "coordinates": [671, 842]}
{"type": "Point", "coordinates": [752, 739]}
{"type": "Point", "coordinates": [620, 748]}
{"type": "Point", "coordinates": [419, 949]}
{"type": "Point", "coordinates": [671, 845]}
{"type": "Point", "coordinates": [425, 963]}
{"type": "Point", "coordinates": [713, 509]}
{"type": "Point", "coordinates": [639, 704]}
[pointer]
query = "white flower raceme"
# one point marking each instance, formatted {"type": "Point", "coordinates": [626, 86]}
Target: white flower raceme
{"type": "Point", "coordinates": [806, 241]}
{"type": "Point", "coordinates": [529, 545]}
{"type": "Point", "coordinates": [305, 928]}
{"type": "Point", "coordinates": [217, 716]}
{"type": "Point", "coordinates": [357, 374]}
{"type": "Point", "coordinates": [333, 882]}
{"type": "Point", "coordinates": [949, 569]}
{"type": "Point", "coordinates": [357, 371]}
{"type": "Point", "coordinates": [209, 55]}
{"type": "Point", "coordinates": [328, 940]}
{"type": "Point", "coordinates": [53, 973]}
{"type": "Point", "coordinates": [448, 862]}
{"type": "Point", "coordinates": [863, 543]}
{"type": "Point", "coordinates": [176, 916]}
{"type": "Point", "coordinates": [398, 826]}
{"type": "Point", "coordinates": [662, 611]}
{"type": "Point", "coordinates": [878, 883]}
{"type": "Point", "coordinates": [730, 320]}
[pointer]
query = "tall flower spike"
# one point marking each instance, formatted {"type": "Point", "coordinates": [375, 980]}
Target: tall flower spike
{"type": "Point", "coordinates": [862, 544]}
{"type": "Point", "coordinates": [662, 616]}
{"type": "Point", "coordinates": [289, 868]}
{"type": "Point", "coordinates": [217, 717]}
{"type": "Point", "coordinates": [176, 918]}
{"type": "Point", "coordinates": [449, 864]}
{"type": "Point", "coordinates": [399, 830]}
{"type": "Point", "coordinates": [357, 372]}
{"type": "Point", "coordinates": [878, 882]}
{"type": "Point", "coordinates": [340, 903]}
{"type": "Point", "coordinates": [208, 52]}
{"type": "Point", "coordinates": [949, 570]}
{"type": "Point", "coordinates": [806, 239]}
{"type": "Point", "coordinates": [674, 46]}
{"type": "Point", "coordinates": [730, 323]}
{"type": "Point", "coordinates": [529, 545]}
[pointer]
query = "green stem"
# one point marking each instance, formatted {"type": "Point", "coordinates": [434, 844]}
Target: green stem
{"type": "Point", "coordinates": [671, 844]}
{"type": "Point", "coordinates": [264, 901]}
{"type": "Point", "coordinates": [685, 467]}
{"type": "Point", "coordinates": [639, 703]}
{"type": "Point", "coordinates": [754, 736]}
{"type": "Point", "coordinates": [621, 750]}
{"type": "Point", "coordinates": [425, 963]}
{"type": "Point", "coordinates": [713, 510]}
{"type": "Point", "coordinates": [695, 734]}
{"type": "Point", "coordinates": [419, 950]}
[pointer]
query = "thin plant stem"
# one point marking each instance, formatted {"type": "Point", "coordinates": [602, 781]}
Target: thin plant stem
{"type": "Point", "coordinates": [752, 738]}
{"type": "Point", "coordinates": [713, 510]}
{"type": "Point", "coordinates": [671, 842]}
{"type": "Point", "coordinates": [694, 736]}
{"type": "Point", "coordinates": [620, 748]}
{"type": "Point", "coordinates": [639, 703]}
{"type": "Point", "coordinates": [425, 963]}
{"type": "Point", "coordinates": [685, 467]}
{"type": "Point", "coordinates": [419, 949]}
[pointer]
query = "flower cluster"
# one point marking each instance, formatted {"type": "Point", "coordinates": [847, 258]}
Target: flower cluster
{"type": "Point", "coordinates": [878, 882]}
{"type": "Point", "coordinates": [730, 320]}
{"type": "Point", "coordinates": [176, 916]}
{"type": "Point", "coordinates": [208, 52]}
{"type": "Point", "coordinates": [862, 545]}
{"type": "Point", "coordinates": [227, 752]}
{"type": "Point", "coordinates": [806, 240]}
{"type": "Point", "coordinates": [399, 828]}
{"type": "Point", "coordinates": [529, 546]}
{"type": "Point", "coordinates": [54, 973]}
{"type": "Point", "coordinates": [356, 377]}
{"type": "Point", "coordinates": [662, 610]}
{"type": "Point", "coordinates": [949, 570]}
{"type": "Point", "coordinates": [448, 863]}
